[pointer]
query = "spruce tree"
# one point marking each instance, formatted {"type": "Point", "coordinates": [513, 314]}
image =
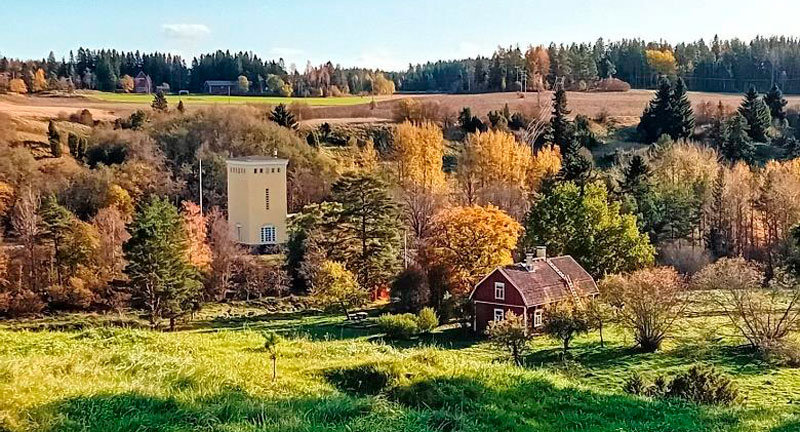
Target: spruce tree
{"type": "Point", "coordinates": [72, 143]}
{"type": "Point", "coordinates": [283, 117]}
{"type": "Point", "coordinates": [736, 144]}
{"type": "Point", "coordinates": [160, 102]}
{"type": "Point", "coordinates": [657, 118]}
{"type": "Point", "coordinates": [756, 114]}
{"type": "Point", "coordinates": [682, 114]}
{"type": "Point", "coordinates": [54, 137]}
{"type": "Point", "coordinates": [776, 103]}
{"type": "Point", "coordinates": [181, 108]}
{"type": "Point", "coordinates": [561, 130]}
{"type": "Point", "coordinates": [162, 279]}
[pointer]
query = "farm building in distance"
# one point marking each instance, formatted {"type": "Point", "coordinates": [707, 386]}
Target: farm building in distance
{"type": "Point", "coordinates": [142, 83]}
{"type": "Point", "coordinates": [527, 288]}
{"type": "Point", "coordinates": [221, 87]}
{"type": "Point", "coordinates": [257, 203]}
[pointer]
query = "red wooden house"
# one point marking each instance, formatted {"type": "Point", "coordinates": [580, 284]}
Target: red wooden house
{"type": "Point", "coordinates": [527, 288]}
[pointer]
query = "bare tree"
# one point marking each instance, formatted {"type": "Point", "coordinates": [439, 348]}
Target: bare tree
{"type": "Point", "coordinates": [764, 315]}
{"type": "Point", "coordinates": [27, 223]}
{"type": "Point", "coordinates": [224, 253]}
{"type": "Point", "coordinates": [538, 125]}
{"type": "Point", "coordinates": [647, 301]}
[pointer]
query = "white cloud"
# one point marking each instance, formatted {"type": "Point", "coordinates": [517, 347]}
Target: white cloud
{"type": "Point", "coordinates": [381, 59]}
{"type": "Point", "coordinates": [185, 31]}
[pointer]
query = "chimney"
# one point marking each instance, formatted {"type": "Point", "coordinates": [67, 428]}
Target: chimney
{"type": "Point", "coordinates": [275, 153]}
{"type": "Point", "coordinates": [529, 261]}
{"type": "Point", "coordinates": [541, 252]}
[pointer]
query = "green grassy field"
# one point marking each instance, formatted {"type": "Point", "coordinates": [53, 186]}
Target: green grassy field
{"type": "Point", "coordinates": [218, 99]}
{"type": "Point", "coordinates": [72, 374]}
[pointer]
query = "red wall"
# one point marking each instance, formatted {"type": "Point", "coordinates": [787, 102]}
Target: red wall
{"type": "Point", "coordinates": [484, 313]}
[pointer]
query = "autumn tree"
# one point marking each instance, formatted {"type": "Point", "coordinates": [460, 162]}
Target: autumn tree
{"type": "Point", "coordinates": [163, 280]}
{"type": "Point", "coordinates": [243, 84]}
{"type": "Point", "coordinates": [27, 224]}
{"type": "Point", "coordinates": [648, 302]}
{"type": "Point", "coordinates": [569, 222]}
{"type": "Point", "coordinates": [39, 83]}
{"type": "Point", "coordinates": [333, 286]}
{"type": "Point", "coordinates": [510, 334]}
{"type": "Point", "coordinates": [109, 223]}
{"type": "Point", "coordinates": [17, 85]}
{"type": "Point", "coordinates": [126, 83]}
{"type": "Point", "coordinates": [757, 114]}
{"type": "Point", "coordinates": [381, 85]}
{"type": "Point", "coordinates": [198, 251]}
{"type": "Point", "coordinates": [662, 61]}
{"type": "Point", "coordinates": [473, 240]}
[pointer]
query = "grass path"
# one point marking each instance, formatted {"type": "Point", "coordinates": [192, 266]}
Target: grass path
{"type": "Point", "coordinates": [216, 376]}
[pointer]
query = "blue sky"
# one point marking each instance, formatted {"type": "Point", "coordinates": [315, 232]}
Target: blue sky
{"type": "Point", "coordinates": [383, 34]}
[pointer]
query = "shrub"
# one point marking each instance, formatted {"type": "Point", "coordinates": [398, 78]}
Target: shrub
{"type": "Point", "coordinates": [427, 320]}
{"type": "Point", "coordinates": [438, 393]}
{"type": "Point", "coordinates": [697, 384]}
{"type": "Point", "coordinates": [510, 334]}
{"type": "Point", "coordinates": [612, 85]}
{"type": "Point", "coordinates": [401, 326]}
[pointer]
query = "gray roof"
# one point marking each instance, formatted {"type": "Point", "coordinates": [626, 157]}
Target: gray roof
{"type": "Point", "coordinates": [257, 158]}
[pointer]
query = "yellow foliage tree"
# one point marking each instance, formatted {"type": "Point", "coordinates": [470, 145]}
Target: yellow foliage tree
{"type": "Point", "coordinates": [127, 84]}
{"type": "Point", "coordinates": [6, 198]}
{"type": "Point", "coordinates": [39, 83]}
{"type": "Point", "coordinates": [120, 199]}
{"type": "Point", "coordinates": [473, 240]}
{"type": "Point", "coordinates": [381, 85]}
{"type": "Point", "coordinates": [333, 286]}
{"type": "Point", "coordinates": [663, 62]}
{"type": "Point", "coordinates": [17, 85]}
{"type": "Point", "coordinates": [545, 163]}
{"type": "Point", "coordinates": [537, 62]}
{"type": "Point", "coordinates": [418, 152]}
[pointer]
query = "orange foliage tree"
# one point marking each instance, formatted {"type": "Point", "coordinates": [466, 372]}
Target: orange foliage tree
{"type": "Point", "coordinates": [198, 251]}
{"type": "Point", "coordinates": [473, 240]}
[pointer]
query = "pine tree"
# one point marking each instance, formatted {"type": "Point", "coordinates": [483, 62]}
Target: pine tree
{"type": "Point", "coordinates": [657, 117]}
{"type": "Point", "coordinates": [160, 102]}
{"type": "Point", "coordinates": [369, 219]}
{"type": "Point", "coordinates": [776, 103]}
{"type": "Point", "coordinates": [54, 137]}
{"type": "Point", "coordinates": [106, 78]}
{"type": "Point", "coordinates": [736, 143]}
{"type": "Point", "coordinates": [757, 115]}
{"type": "Point", "coordinates": [282, 116]}
{"type": "Point", "coordinates": [162, 279]}
{"type": "Point", "coordinates": [72, 144]}
{"type": "Point", "coordinates": [682, 113]}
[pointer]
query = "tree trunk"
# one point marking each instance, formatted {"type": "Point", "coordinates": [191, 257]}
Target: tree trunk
{"type": "Point", "coordinates": [171, 323]}
{"type": "Point", "coordinates": [274, 368]}
{"type": "Point", "coordinates": [602, 342]}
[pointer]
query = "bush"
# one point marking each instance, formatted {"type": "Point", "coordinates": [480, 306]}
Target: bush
{"type": "Point", "coordinates": [427, 320]}
{"type": "Point", "coordinates": [401, 326]}
{"type": "Point", "coordinates": [698, 384]}
{"type": "Point", "coordinates": [612, 85]}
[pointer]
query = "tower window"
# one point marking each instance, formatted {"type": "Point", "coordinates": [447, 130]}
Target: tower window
{"type": "Point", "coordinates": [268, 234]}
{"type": "Point", "coordinates": [266, 199]}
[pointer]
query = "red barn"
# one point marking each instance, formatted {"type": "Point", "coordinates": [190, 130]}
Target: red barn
{"type": "Point", "coordinates": [527, 288]}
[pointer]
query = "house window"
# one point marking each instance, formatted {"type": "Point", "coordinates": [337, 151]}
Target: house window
{"type": "Point", "coordinates": [261, 170]}
{"type": "Point", "coordinates": [279, 170]}
{"type": "Point", "coordinates": [268, 234]}
{"type": "Point", "coordinates": [266, 199]}
{"type": "Point", "coordinates": [255, 171]}
{"type": "Point", "coordinates": [239, 232]}
{"type": "Point", "coordinates": [273, 170]}
{"type": "Point", "coordinates": [537, 318]}
{"type": "Point", "coordinates": [499, 314]}
{"type": "Point", "coordinates": [499, 291]}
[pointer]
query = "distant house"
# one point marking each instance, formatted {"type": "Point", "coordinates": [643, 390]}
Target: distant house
{"type": "Point", "coordinates": [221, 87]}
{"type": "Point", "coordinates": [163, 88]}
{"type": "Point", "coordinates": [527, 288]}
{"type": "Point", "coordinates": [142, 83]}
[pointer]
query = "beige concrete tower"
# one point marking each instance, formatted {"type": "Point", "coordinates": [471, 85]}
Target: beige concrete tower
{"type": "Point", "coordinates": [257, 205]}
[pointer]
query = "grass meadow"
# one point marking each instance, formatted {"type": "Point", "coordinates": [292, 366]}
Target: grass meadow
{"type": "Point", "coordinates": [224, 100]}
{"type": "Point", "coordinates": [79, 373]}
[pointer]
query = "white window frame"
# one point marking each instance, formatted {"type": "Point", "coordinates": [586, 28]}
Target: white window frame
{"type": "Point", "coordinates": [537, 317]}
{"type": "Point", "coordinates": [499, 291]}
{"type": "Point", "coordinates": [268, 234]}
{"type": "Point", "coordinates": [502, 314]}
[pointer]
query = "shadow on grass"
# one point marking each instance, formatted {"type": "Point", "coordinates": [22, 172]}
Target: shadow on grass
{"type": "Point", "coordinates": [790, 426]}
{"type": "Point", "coordinates": [443, 403]}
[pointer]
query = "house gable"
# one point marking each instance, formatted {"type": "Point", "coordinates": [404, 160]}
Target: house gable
{"type": "Point", "coordinates": [484, 291]}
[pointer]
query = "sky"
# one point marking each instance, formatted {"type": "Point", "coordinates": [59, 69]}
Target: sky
{"type": "Point", "coordinates": [387, 35]}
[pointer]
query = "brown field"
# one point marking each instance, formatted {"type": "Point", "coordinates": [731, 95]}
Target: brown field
{"type": "Point", "coordinates": [625, 107]}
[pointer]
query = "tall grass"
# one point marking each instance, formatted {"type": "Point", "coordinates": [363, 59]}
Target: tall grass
{"type": "Point", "coordinates": [218, 377]}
